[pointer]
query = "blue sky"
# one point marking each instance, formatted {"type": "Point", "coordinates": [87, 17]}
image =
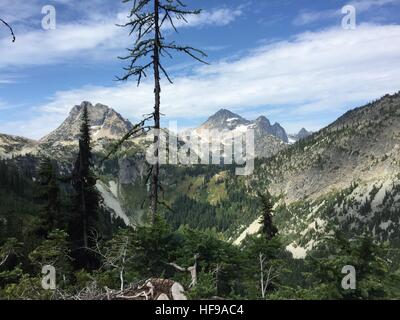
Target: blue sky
{"type": "Point", "coordinates": [289, 60]}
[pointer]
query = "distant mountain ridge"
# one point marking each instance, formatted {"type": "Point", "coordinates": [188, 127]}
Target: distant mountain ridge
{"type": "Point", "coordinates": [268, 139]}
{"type": "Point", "coordinates": [108, 125]}
{"type": "Point", "coordinates": [227, 120]}
{"type": "Point", "coordinates": [302, 134]}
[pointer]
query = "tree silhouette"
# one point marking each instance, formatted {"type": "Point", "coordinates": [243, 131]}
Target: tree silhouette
{"type": "Point", "coordinates": [269, 230]}
{"type": "Point", "coordinates": [9, 27]}
{"type": "Point", "coordinates": [148, 18]}
{"type": "Point", "coordinates": [87, 199]}
{"type": "Point", "coordinates": [49, 194]}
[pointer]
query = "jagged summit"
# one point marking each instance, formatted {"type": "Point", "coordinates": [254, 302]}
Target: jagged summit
{"type": "Point", "coordinates": [224, 119]}
{"type": "Point", "coordinates": [263, 120]}
{"type": "Point", "coordinates": [224, 113]}
{"type": "Point", "coordinates": [275, 130]}
{"type": "Point", "coordinates": [227, 120]}
{"type": "Point", "coordinates": [269, 139]}
{"type": "Point", "coordinates": [104, 121]}
{"type": "Point", "coordinates": [303, 133]}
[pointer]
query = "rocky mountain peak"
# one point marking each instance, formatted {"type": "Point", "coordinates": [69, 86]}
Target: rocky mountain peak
{"type": "Point", "coordinates": [263, 125]}
{"type": "Point", "coordinates": [227, 120]}
{"type": "Point", "coordinates": [224, 119]}
{"type": "Point", "coordinates": [224, 113]}
{"type": "Point", "coordinates": [104, 122]}
{"type": "Point", "coordinates": [279, 132]}
{"type": "Point", "coordinates": [263, 122]}
{"type": "Point", "coordinates": [303, 133]}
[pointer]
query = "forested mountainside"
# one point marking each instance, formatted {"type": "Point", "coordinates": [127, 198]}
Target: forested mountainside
{"type": "Point", "coordinates": [346, 175]}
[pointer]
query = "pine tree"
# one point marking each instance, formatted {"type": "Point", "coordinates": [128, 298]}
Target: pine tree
{"type": "Point", "coordinates": [87, 198]}
{"type": "Point", "coordinates": [49, 195]}
{"type": "Point", "coordinates": [268, 228]}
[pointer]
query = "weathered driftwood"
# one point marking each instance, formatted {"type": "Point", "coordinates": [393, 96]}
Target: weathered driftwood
{"type": "Point", "coordinates": [192, 270]}
{"type": "Point", "coordinates": [151, 289]}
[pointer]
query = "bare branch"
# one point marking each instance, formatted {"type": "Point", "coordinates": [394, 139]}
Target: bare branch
{"type": "Point", "coordinates": [9, 27]}
{"type": "Point", "coordinates": [180, 13]}
{"type": "Point", "coordinates": [139, 128]}
{"type": "Point", "coordinates": [4, 260]}
{"type": "Point", "coordinates": [193, 52]}
{"type": "Point", "coordinates": [165, 73]}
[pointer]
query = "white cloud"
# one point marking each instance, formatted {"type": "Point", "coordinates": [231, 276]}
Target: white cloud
{"type": "Point", "coordinates": [364, 5]}
{"type": "Point", "coordinates": [316, 75]}
{"type": "Point", "coordinates": [97, 37]}
{"type": "Point", "coordinates": [217, 17]}
{"type": "Point", "coordinates": [69, 41]}
{"type": "Point", "coordinates": [307, 17]}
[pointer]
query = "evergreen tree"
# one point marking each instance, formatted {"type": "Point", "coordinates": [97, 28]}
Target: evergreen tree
{"type": "Point", "coordinates": [268, 228]}
{"type": "Point", "coordinates": [87, 198]}
{"type": "Point", "coordinates": [374, 276]}
{"type": "Point", "coordinates": [49, 195]}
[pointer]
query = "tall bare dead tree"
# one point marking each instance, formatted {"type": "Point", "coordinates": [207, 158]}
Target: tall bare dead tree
{"type": "Point", "coordinates": [148, 21]}
{"type": "Point", "coordinates": [9, 27]}
{"type": "Point", "coordinates": [266, 277]}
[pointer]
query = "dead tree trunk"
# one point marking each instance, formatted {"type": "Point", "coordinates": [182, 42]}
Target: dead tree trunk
{"type": "Point", "coordinates": [157, 102]}
{"type": "Point", "coordinates": [192, 270]}
{"type": "Point", "coordinates": [265, 283]}
{"type": "Point", "coordinates": [147, 20]}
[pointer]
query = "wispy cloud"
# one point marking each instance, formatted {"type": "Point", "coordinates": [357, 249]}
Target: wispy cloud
{"type": "Point", "coordinates": [217, 17]}
{"type": "Point", "coordinates": [70, 41]}
{"type": "Point", "coordinates": [96, 37]}
{"type": "Point", "coordinates": [316, 75]}
{"type": "Point", "coordinates": [307, 17]}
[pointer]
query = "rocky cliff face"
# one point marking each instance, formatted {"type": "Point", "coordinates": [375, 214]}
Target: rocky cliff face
{"type": "Point", "coordinates": [263, 125]}
{"type": "Point", "coordinates": [11, 146]}
{"type": "Point", "coordinates": [105, 124]}
{"type": "Point", "coordinates": [362, 144]}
